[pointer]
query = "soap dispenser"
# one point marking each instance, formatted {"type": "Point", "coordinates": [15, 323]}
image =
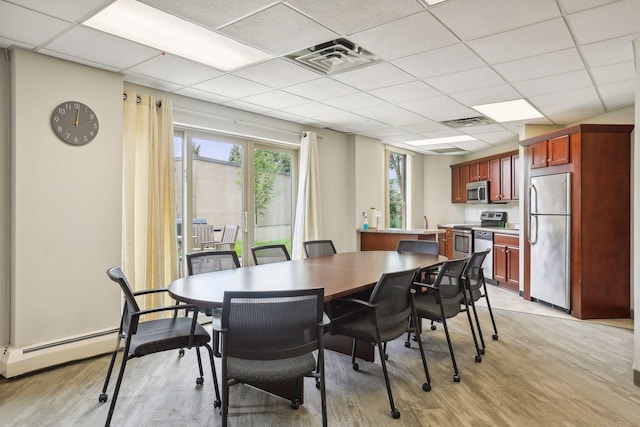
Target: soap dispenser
{"type": "Point", "coordinates": [365, 223]}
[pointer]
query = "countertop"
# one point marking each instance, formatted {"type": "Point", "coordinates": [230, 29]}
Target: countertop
{"type": "Point", "coordinates": [401, 231]}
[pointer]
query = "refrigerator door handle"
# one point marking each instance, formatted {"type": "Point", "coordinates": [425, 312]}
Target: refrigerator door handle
{"type": "Point", "coordinates": [532, 215]}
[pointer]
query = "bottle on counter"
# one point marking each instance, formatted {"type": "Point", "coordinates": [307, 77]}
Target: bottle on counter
{"type": "Point", "coordinates": [365, 223]}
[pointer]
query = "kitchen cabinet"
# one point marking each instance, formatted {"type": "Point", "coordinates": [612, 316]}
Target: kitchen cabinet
{"type": "Point", "coordinates": [515, 177]}
{"type": "Point", "coordinates": [597, 159]}
{"type": "Point", "coordinates": [446, 243]}
{"type": "Point", "coordinates": [479, 171]}
{"type": "Point", "coordinates": [459, 179]}
{"type": "Point", "coordinates": [506, 256]}
{"type": "Point", "coordinates": [387, 240]}
{"type": "Point", "coordinates": [552, 152]}
{"type": "Point", "coordinates": [501, 176]}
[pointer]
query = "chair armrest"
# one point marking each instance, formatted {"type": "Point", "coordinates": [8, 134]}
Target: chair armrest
{"type": "Point", "coordinates": [169, 308]}
{"type": "Point", "coordinates": [426, 286]}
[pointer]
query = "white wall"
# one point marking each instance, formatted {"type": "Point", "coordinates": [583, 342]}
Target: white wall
{"type": "Point", "coordinates": [65, 212]}
{"type": "Point", "coordinates": [5, 178]}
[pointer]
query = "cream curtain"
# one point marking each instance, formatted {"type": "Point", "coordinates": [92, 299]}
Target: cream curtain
{"type": "Point", "coordinates": [308, 224]}
{"type": "Point", "coordinates": [149, 235]}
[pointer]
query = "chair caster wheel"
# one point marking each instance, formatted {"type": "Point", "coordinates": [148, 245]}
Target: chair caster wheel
{"type": "Point", "coordinates": [200, 381]}
{"type": "Point", "coordinates": [318, 385]}
{"type": "Point", "coordinates": [456, 378]}
{"type": "Point", "coordinates": [395, 414]}
{"type": "Point", "coordinates": [426, 387]}
{"type": "Point", "coordinates": [494, 337]}
{"type": "Point", "coordinates": [415, 338]}
{"type": "Point", "coordinates": [181, 352]}
{"type": "Point", "coordinates": [386, 357]}
{"type": "Point", "coordinates": [217, 404]}
{"type": "Point", "coordinates": [407, 344]}
{"type": "Point", "coordinates": [295, 404]}
{"type": "Point", "coordinates": [482, 351]}
{"type": "Point", "coordinates": [355, 367]}
{"type": "Point", "coordinates": [478, 358]}
{"type": "Point", "coordinates": [433, 327]}
{"type": "Point", "coordinates": [103, 398]}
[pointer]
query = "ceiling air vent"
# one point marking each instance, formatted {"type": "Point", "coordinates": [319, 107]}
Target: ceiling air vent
{"type": "Point", "coordinates": [469, 122]}
{"type": "Point", "coordinates": [448, 150]}
{"type": "Point", "coordinates": [334, 57]}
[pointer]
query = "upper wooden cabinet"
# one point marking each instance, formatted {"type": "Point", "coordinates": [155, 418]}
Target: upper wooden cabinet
{"type": "Point", "coordinates": [551, 152]}
{"type": "Point", "coordinates": [459, 179]}
{"type": "Point", "coordinates": [479, 171]}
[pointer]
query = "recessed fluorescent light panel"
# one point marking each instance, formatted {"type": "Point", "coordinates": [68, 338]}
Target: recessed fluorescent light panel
{"type": "Point", "coordinates": [149, 26]}
{"type": "Point", "coordinates": [444, 140]}
{"type": "Point", "coordinates": [432, 2]}
{"type": "Point", "coordinates": [509, 111]}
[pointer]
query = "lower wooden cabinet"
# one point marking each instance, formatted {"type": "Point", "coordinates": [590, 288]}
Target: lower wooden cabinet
{"type": "Point", "coordinates": [446, 243]}
{"type": "Point", "coordinates": [506, 261]}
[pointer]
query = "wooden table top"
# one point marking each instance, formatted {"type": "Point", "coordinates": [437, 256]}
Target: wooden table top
{"type": "Point", "coordinates": [340, 275]}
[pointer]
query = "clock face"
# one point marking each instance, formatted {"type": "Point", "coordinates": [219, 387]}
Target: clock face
{"type": "Point", "coordinates": [74, 123]}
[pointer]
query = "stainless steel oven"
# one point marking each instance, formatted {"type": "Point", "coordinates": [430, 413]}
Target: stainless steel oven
{"type": "Point", "coordinates": [462, 242]}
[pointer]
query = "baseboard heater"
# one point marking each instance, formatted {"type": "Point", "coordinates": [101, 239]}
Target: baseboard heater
{"type": "Point", "coordinates": [27, 350]}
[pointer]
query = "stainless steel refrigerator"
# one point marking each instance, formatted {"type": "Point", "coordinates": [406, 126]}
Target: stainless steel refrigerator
{"type": "Point", "coordinates": [550, 239]}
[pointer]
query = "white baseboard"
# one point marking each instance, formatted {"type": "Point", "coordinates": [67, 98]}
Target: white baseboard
{"type": "Point", "coordinates": [21, 360]}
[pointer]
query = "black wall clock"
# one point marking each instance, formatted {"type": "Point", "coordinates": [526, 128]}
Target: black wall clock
{"type": "Point", "coordinates": [74, 123]}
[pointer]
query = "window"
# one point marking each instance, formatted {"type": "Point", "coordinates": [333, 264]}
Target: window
{"type": "Point", "coordinates": [396, 189]}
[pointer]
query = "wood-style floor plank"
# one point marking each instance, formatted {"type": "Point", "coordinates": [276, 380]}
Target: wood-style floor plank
{"type": "Point", "coordinates": [543, 371]}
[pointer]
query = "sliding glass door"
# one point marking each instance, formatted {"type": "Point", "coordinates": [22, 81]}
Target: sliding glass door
{"type": "Point", "coordinates": [214, 188]}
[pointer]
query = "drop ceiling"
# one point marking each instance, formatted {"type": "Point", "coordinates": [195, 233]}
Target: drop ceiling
{"type": "Point", "coordinates": [571, 59]}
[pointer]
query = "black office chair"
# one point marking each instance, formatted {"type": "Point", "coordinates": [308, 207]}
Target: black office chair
{"type": "Point", "coordinates": [444, 300]}
{"type": "Point", "coordinates": [268, 254]}
{"type": "Point", "coordinates": [430, 247]}
{"type": "Point", "coordinates": [153, 336]}
{"type": "Point", "coordinates": [315, 248]}
{"type": "Point", "coordinates": [383, 318]}
{"type": "Point", "coordinates": [476, 288]}
{"type": "Point", "coordinates": [270, 337]}
{"type": "Point", "coordinates": [206, 262]}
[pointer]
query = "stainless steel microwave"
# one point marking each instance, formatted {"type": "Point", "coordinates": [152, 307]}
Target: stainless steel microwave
{"type": "Point", "coordinates": [478, 192]}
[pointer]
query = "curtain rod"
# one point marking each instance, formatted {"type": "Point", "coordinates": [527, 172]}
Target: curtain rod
{"type": "Point", "coordinates": [139, 100]}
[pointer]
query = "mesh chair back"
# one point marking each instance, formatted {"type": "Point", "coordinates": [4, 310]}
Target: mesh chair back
{"type": "Point", "coordinates": [430, 247]}
{"type": "Point", "coordinates": [473, 273]}
{"type": "Point", "coordinates": [131, 305]}
{"type": "Point", "coordinates": [269, 253]}
{"type": "Point", "coordinates": [272, 325]}
{"type": "Point", "coordinates": [315, 248]}
{"type": "Point", "coordinates": [391, 295]}
{"type": "Point", "coordinates": [449, 281]}
{"type": "Point", "coordinates": [205, 262]}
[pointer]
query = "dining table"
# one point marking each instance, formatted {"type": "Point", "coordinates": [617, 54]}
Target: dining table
{"type": "Point", "coordinates": [340, 275]}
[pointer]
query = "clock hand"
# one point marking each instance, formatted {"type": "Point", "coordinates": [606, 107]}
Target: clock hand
{"type": "Point", "coordinates": [77, 117]}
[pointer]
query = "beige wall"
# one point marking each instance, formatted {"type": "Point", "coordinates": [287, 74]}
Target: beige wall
{"type": "Point", "coordinates": [5, 196]}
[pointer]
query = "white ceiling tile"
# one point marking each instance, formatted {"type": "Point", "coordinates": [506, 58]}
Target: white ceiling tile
{"type": "Point", "coordinates": [533, 40]}
{"type": "Point", "coordinates": [608, 52]}
{"type": "Point", "coordinates": [276, 99]}
{"type": "Point", "coordinates": [614, 73]}
{"type": "Point", "coordinates": [385, 132]}
{"type": "Point", "coordinates": [486, 95]}
{"type": "Point", "coordinates": [232, 86]}
{"type": "Point", "coordinates": [472, 19]}
{"type": "Point", "coordinates": [347, 17]}
{"type": "Point", "coordinates": [374, 76]}
{"type": "Point", "coordinates": [570, 106]}
{"type": "Point", "coordinates": [150, 82]}
{"type": "Point", "coordinates": [618, 95]}
{"type": "Point", "coordinates": [320, 89]}
{"type": "Point", "coordinates": [425, 125]}
{"type": "Point", "coordinates": [247, 106]}
{"type": "Point", "coordinates": [498, 137]}
{"type": "Point", "coordinates": [101, 48]}
{"type": "Point", "coordinates": [174, 69]}
{"type": "Point", "coordinates": [588, 26]}
{"type": "Point", "coordinates": [557, 82]}
{"type": "Point", "coordinates": [201, 94]}
{"type": "Point", "coordinates": [405, 92]}
{"type": "Point", "coordinates": [411, 35]}
{"type": "Point", "coordinates": [549, 64]}
{"type": "Point", "coordinates": [439, 62]}
{"type": "Point", "coordinates": [439, 108]}
{"type": "Point", "coordinates": [277, 73]}
{"type": "Point", "coordinates": [40, 28]}
{"type": "Point", "coordinates": [479, 131]}
{"type": "Point", "coordinates": [392, 115]}
{"type": "Point", "coordinates": [355, 101]}
{"type": "Point", "coordinates": [209, 13]}
{"type": "Point", "coordinates": [573, 6]}
{"type": "Point", "coordinates": [5, 43]}
{"type": "Point", "coordinates": [472, 145]}
{"type": "Point", "coordinates": [313, 110]}
{"type": "Point", "coordinates": [279, 29]}
{"type": "Point", "coordinates": [78, 60]}
{"type": "Point", "coordinates": [68, 10]}
{"type": "Point", "coordinates": [477, 78]}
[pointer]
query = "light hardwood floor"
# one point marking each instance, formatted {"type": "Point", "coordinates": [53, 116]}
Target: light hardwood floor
{"type": "Point", "coordinates": [543, 371]}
